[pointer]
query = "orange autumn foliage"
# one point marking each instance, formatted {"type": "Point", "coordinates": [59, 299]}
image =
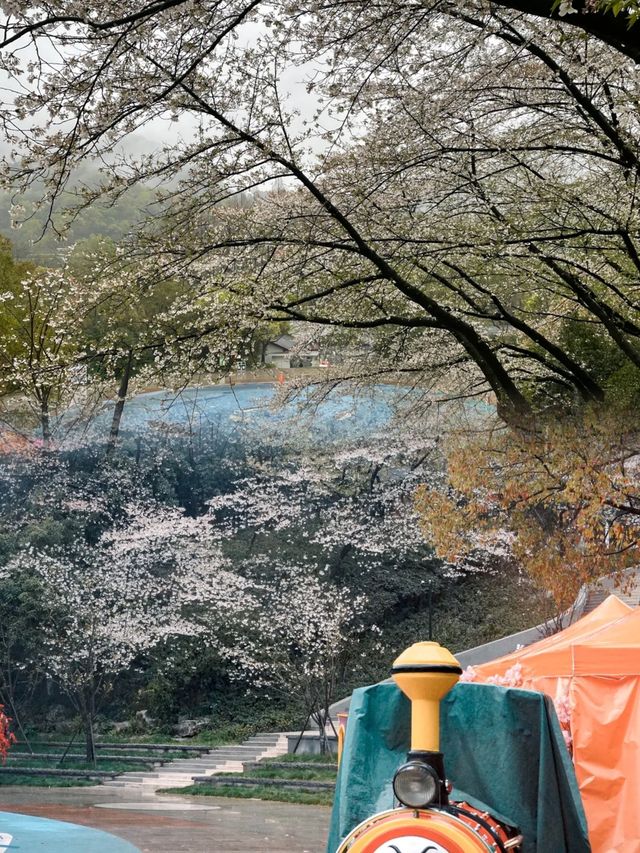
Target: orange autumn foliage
{"type": "Point", "coordinates": [562, 499]}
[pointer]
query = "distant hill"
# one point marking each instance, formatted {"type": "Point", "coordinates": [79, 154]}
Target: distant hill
{"type": "Point", "coordinates": [38, 241]}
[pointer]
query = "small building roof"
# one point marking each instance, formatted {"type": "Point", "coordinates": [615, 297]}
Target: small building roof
{"type": "Point", "coordinates": [285, 342]}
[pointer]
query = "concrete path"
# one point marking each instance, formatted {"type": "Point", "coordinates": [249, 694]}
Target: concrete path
{"type": "Point", "coordinates": [157, 823]}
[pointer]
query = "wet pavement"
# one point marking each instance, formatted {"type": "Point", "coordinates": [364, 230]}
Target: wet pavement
{"type": "Point", "coordinates": [162, 823]}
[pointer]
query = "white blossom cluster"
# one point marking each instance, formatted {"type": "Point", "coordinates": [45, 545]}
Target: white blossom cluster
{"type": "Point", "coordinates": [155, 575]}
{"type": "Point", "coordinates": [361, 497]}
{"type": "Point", "coordinates": [300, 637]}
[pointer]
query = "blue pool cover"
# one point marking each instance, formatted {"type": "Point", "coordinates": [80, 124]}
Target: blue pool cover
{"type": "Point", "coordinates": [27, 834]}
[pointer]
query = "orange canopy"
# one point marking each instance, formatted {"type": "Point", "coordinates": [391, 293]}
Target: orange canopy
{"type": "Point", "coordinates": [552, 655]}
{"type": "Point", "coordinates": [592, 671]}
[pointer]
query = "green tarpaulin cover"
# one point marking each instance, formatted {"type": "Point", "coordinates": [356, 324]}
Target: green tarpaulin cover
{"type": "Point", "coordinates": [503, 751]}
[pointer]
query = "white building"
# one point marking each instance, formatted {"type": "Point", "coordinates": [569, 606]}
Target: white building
{"type": "Point", "coordinates": [282, 353]}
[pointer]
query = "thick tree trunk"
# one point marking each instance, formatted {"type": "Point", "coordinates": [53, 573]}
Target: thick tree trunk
{"type": "Point", "coordinates": [119, 407]}
{"type": "Point", "coordinates": [45, 421]}
{"type": "Point", "coordinates": [610, 28]}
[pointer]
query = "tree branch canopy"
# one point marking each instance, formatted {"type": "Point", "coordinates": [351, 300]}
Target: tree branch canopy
{"type": "Point", "coordinates": [458, 185]}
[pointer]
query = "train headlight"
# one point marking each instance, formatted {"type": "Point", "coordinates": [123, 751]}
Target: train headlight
{"type": "Point", "coordinates": [416, 784]}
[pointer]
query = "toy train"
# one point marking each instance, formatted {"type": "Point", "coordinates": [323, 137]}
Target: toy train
{"type": "Point", "coordinates": [426, 821]}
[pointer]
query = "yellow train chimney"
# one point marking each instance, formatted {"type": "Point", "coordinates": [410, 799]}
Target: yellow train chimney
{"type": "Point", "coordinates": [425, 673]}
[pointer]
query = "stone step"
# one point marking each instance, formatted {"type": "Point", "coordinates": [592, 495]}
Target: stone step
{"type": "Point", "coordinates": [177, 777]}
{"type": "Point", "coordinates": [237, 748]}
{"type": "Point", "coordinates": [265, 738]}
{"type": "Point", "coordinates": [215, 752]}
{"type": "Point", "coordinates": [214, 763]}
{"type": "Point", "coordinates": [241, 749]}
{"type": "Point", "coordinates": [232, 767]}
{"type": "Point", "coordinates": [198, 768]}
{"type": "Point", "coordinates": [217, 760]}
{"type": "Point", "coordinates": [150, 784]}
{"type": "Point", "coordinates": [203, 768]}
{"type": "Point", "coordinates": [220, 760]}
{"type": "Point", "coordinates": [214, 759]}
{"type": "Point", "coordinates": [158, 781]}
{"type": "Point", "coordinates": [130, 777]}
{"type": "Point", "coordinates": [229, 767]}
{"type": "Point", "coordinates": [288, 765]}
{"type": "Point", "coordinates": [187, 772]}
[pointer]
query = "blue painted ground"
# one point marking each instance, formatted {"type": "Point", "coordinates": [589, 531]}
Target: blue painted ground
{"type": "Point", "coordinates": [248, 407]}
{"type": "Point", "coordinates": [249, 410]}
{"type": "Point", "coordinates": [33, 834]}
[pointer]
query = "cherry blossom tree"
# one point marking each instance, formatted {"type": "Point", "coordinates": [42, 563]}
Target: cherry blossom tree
{"type": "Point", "coordinates": [293, 524]}
{"type": "Point", "coordinates": [40, 343]}
{"type": "Point", "coordinates": [154, 576]}
{"type": "Point", "coordinates": [70, 337]}
{"type": "Point", "coordinates": [48, 354]}
{"type": "Point", "coordinates": [320, 540]}
{"type": "Point", "coordinates": [121, 577]}
{"type": "Point", "coordinates": [356, 498]}
{"type": "Point", "coordinates": [478, 241]}
{"type": "Point", "coordinates": [299, 641]}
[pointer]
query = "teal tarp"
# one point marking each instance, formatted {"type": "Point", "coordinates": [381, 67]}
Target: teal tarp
{"type": "Point", "coordinates": [502, 747]}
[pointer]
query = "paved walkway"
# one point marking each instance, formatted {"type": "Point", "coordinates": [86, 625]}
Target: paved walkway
{"type": "Point", "coordinates": [157, 823]}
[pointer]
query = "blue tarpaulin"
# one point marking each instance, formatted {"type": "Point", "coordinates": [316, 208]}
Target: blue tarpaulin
{"type": "Point", "coordinates": [503, 750]}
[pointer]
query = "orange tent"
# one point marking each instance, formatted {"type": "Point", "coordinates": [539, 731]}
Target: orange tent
{"type": "Point", "coordinates": [592, 671]}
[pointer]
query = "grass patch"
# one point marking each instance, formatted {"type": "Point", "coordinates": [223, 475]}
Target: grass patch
{"type": "Point", "coordinates": [21, 751]}
{"type": "Point", "coordinates": [225, 735]}
{"type": "Point", "coordinates": [229, 735]}
{"type": "Point", "coordinates": [294, 773]}
{"type": "Point", "coordinates": [118, 766]}
{"type": "Point", "coordinates": [290, 758]}
{"type": "Point", "coordinates": [21, 748]}
{"type": "Point", "coordinates": [258, 792]}
{"type": "Point", "coordinates": [46, 781]}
